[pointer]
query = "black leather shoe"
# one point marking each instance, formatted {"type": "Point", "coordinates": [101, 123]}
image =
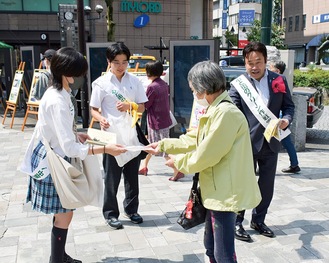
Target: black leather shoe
{"type": "Point", "coordinates": [68, 259]}
{"type": "Point", "coordinates": [114, 223]}
{"type": "Point", "coordinates": [241, 234]}
{"type": "Point", "coordinates": [262, 229]}
{"type": "Point", "coordinates": [292, 170]}
{"type": "Point", "coordinates": [135, 218]}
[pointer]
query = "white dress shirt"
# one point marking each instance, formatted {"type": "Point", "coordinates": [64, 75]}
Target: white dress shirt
{"type": "Point", "coordinates": [107, 90]}
{"type": "Point", "coordinates": [55, 124]}
{"type": "Point", "coordinates": [262, 87]}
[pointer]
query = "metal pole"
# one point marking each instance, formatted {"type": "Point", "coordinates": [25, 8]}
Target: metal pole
{"type": "Point", "coordinates": [266, 22]}
{"type": "Point", "coordinates": [82, 49]}
{"type": "Point", "coordinates": [161, 50]}
{"type": "Point", "coordinates": [81, 27]}
{"type": "Point", "coordinates": [238, 35]}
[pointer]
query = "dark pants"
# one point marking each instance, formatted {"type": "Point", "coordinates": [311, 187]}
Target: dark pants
{"type": "Point", "coordinates": [112, 180]}
{"type": "Point", "coordinates": [267, 162]}
{"type": "Point", "coordinates": [290, 147]}
{"type": "Point", "coordinates": [219, 236]}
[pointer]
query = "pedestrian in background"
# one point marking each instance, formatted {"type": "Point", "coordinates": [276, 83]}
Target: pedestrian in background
{"type": "Point", "coordinates": [158, 117]}
{"type": "Point", "coordinates": [56, 125]}
{"type": "Point", "coordinates": [115, 93]}
{"type": "Point", "coordinates": [42, 83]}
{"type": "Point", "coordinates": [279, 67]}
{"type": "Point", "coordinates": [215, 150]}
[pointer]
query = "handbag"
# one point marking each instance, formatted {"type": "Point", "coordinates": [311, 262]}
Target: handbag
{"type": "Point", "coordinates": [78, 183]}
{"type": "Point", "coordinates": [142, 139]}
{"type": "Point", "coordinates": [194, 213]}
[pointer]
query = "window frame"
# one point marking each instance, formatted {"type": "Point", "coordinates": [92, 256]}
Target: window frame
{"type": "Point", "coordinates": [290, 23]}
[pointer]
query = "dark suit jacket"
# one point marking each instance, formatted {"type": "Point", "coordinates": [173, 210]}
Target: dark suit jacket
{"type": "Point", "coordinates": [277, 102]}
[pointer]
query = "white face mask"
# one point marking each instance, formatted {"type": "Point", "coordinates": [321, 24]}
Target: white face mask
{"type": "Point", "coordinates": [202, 102]}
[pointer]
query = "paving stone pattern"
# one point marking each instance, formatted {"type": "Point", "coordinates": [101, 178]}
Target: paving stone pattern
{"type": "Point", "coordinates": [299, 214]}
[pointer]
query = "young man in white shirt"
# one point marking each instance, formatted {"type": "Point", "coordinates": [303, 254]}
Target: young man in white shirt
{"type": "Point", "coordinates": [115, 93]}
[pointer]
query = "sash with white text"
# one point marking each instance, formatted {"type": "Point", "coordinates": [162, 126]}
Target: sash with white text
{"type": "Point", "coordinates": [256, 104]}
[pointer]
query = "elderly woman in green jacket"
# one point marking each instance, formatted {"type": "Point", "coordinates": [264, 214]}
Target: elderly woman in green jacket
{"type": "Point", "coordinates": [220, 150]}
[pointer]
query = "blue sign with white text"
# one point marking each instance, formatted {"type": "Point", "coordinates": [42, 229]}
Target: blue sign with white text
{"type": "Point", "coordinates": [246, 17]}
{"type": "Point", "coordinates": [225, 5]}
{"type": "Point", "coordinates": [141, 21]}
{"type": "Point", "coordinates": [320, 18]}
{"type": "Point", "coordinates": [224, 20]}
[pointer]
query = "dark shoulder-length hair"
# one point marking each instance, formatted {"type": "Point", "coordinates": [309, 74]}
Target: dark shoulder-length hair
{"type": "Point", "coordinates": [117, 49]}
{"type": "Point", "coordinates": [67, 62]}
{"type": "Point", "coordinates": [255, 46]}
{"type": "Point", "coordinates": [154, 69]}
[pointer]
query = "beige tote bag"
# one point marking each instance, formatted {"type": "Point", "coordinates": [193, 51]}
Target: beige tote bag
{"type": "Point", "coordinates": [76, 187]}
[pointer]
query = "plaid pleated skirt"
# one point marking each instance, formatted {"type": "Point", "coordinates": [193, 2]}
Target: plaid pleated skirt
{"type": "Point", "coordinates": [42, 193]}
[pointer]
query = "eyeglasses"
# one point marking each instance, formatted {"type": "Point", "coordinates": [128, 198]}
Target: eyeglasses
{"type": "Point", "coordinates": [117, 63]}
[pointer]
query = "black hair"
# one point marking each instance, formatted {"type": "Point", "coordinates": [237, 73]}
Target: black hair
{"type": "Point", "coordinates": [154, 69]}
{"type": "Point", "coordinates": [255, 46]}
{"type": "Point", "coordinates": [280, 65]}
{"type": "Point", "coordinates": [67, 62]}
{"type": "Point", "coordinates": [117, 49]}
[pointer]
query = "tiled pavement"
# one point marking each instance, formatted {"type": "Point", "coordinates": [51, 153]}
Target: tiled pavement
{"type": "Point", "coordinates": [299, 216]}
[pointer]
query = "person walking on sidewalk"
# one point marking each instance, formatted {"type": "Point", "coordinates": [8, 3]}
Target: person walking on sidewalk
{"type": "Point", "coordinates": [158, 117]}
{"type": "Point", "coordinates": [115, 93]}
{"type": "Point", "coordinates": [261, 95]}
{"type": "Point", "coordinates": [56, 125]}
{"type": "Point", "coordinates": [279, 67]}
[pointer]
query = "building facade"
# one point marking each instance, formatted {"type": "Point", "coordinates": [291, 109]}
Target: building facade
{"type": "Point", "coordinates": [236, 16]}
{"type": "Point", "coordinates": [137, 23]}
{"type": "Point", "coordinates": [306, 23]}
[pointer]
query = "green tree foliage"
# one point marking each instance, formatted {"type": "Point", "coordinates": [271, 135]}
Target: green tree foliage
{"type": "Point", "coordinates": [316, 78]}
{"type": "Point", "coordinates": [277, 11]}
{"type": "Point", "coordinates": [110, 22]}
{"type": "Point", "coordinates": [254, 34]}
{"type": "Point", "coordinates": [233, 39]}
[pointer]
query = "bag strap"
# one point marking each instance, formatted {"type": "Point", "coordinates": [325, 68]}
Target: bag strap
{"type": "Point", "coordinates": [195, 181]}
{"type": "Point", "coordinates": [224, 101]}
{"type": "Point", "coordinates": [46, 144]}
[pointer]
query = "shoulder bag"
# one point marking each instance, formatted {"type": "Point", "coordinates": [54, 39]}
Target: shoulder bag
{"type": "Point", "coordinates": [78, 183]}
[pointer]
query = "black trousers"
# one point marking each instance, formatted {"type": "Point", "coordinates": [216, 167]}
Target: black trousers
{"type": "Point", "coordinates": [111, 182]}
{"type": "Point", "coordinates": [267, 163]}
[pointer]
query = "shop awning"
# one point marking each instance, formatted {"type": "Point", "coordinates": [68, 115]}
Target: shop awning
{"type": "Point", "coordinates": [315, 41]}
